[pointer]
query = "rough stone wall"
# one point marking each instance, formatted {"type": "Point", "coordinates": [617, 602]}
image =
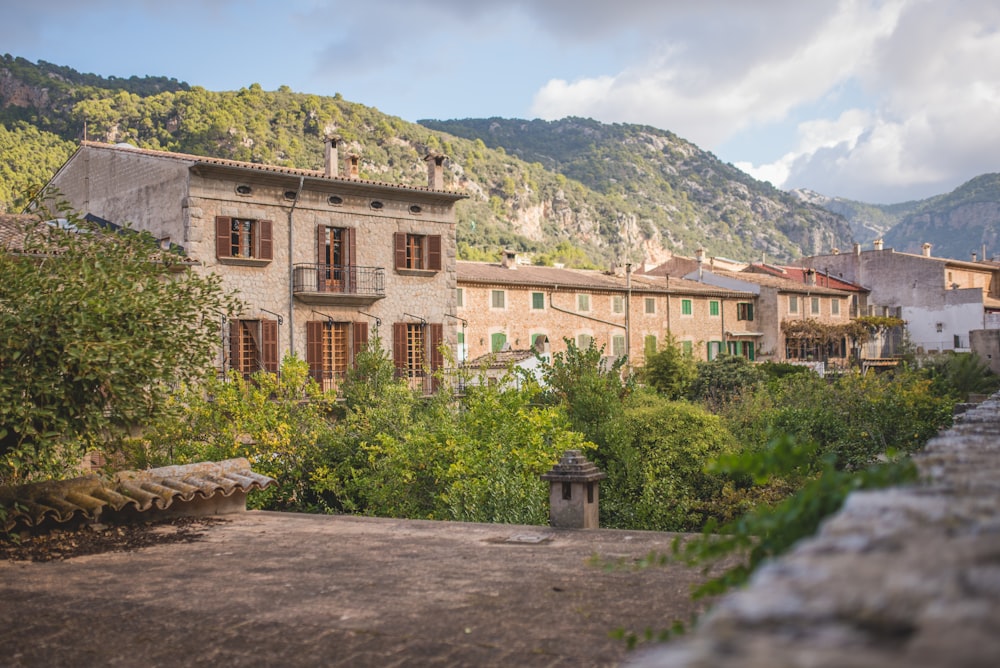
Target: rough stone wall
{"type": "Point", "coordinates": [902, 577]}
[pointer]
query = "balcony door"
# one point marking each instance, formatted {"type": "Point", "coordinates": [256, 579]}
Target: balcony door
{"type": "Point", "coordinates": [336, 258]}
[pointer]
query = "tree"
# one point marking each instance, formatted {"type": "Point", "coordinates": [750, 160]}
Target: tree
{"type": "Point", "coordinates": [96, 328]}
{"type": "Point", "coordinates": [670, 371]}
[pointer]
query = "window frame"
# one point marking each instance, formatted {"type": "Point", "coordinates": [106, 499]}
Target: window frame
{"type": "Point", "coordinates": [687, 307]}
{"type": "Point", "coordinates": [793, 304]}
{"type": "Point", "coordinates": [714, 308]}
{"type": "Point", "coordinates": [744, 311]}
{"type": "Point", "coordinates": [583, 302]}
{"type": "Point", "coordinates": [537, 301]}
{"type": "Point", "coordinates": [617, 304]}
{"type": "Point", "coordinates": [494, 295]}
{"type": "Point", "coordinates": [649, 305]}
{"type": "Point", "coordinates": [260, 244]}
{"type": "Point", "coordinates": [407, 258]}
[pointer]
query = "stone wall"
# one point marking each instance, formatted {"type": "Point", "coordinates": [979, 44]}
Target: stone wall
{"type": "Point", "coordinates": [907, 576]}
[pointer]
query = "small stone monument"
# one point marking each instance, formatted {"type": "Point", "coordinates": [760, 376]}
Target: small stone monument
{"type": "Point", "coordinates": [574, 492]}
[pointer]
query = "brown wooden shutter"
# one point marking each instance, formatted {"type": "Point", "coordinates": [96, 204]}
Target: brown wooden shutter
{"type": "Point", "coordinates": [436, 339]}
{"type": "Point", "coordinates": [434, 252]}
{"type": "Point", "coordinates": [350, 271]}
{"type": "Point", "coordinates": [265, 250]}
{"type": "Point", "coordinates": [314, 348]}
{"type": "Point", "coordinates": [360, 340]}
{"type": "Point", "coordinates": [399, 240]}
{"type": "Point", "coordinates": [235, 327]}
{"type": "Point", "coordinates": [399, 344]}
{"type": "Point", "coordinates": [223, 238]}
{"type": "Point", "coordinates": [321, 258]}
{"type": "Point", "coordinates": [269, 345]}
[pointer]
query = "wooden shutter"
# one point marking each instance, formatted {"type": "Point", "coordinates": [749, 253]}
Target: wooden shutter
{"type": "Point", "coordinates": [360, 340]}
{"type": "Point", "coordinates": [321, 258]}
{"type": "Point", "coordinates": [436, 339]}
{"type": "Point", "coordinates": [314, 348]}
{"type": "Point", "coordinates": [434, 252]}
{"type": "Point", "coordinates": [399, 243]}
{"type": "Point", "coordinates": [399, 344]}
{"type": "Point", "coordinates": [269, 345]}
{"type": "Point", "coordinates": [234, 345]}
{"type": "Point", "coordinates": [223, 238]}
{"type": "Point", "coordinates": [350, 272]}
{"type": "Point", "coordinates": [265, 243]}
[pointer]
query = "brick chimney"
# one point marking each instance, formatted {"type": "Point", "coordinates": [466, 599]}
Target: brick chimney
{"type": "Point", "coordinates": [352, 165]}
{"type": "Point", "coordinates": [435, 171]}
{"type": "Point", "coordinates": [332, 160]}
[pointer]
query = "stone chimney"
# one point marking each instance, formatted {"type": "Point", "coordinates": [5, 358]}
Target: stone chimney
{"type": "Point", "coordinates": [810, 276]}
{"type": "Point", "coordinates": [857, 248]}
{"type": "Point", "coordinates": [574, 493]}
{"type": "Point", "coordinates": [877, 244]}
{"type": "Point", "coordinates": [352, 165]}
{"type": "Point", "coordinates": [926, 249]}
{"type": "Point", "coordinates": [435, 171]}
{"type": "Point", "coordinates": [973, 256]}
{"type": "Point", "coordinates": [332, 160]}
{"type": "Point", "coordinates": [509, 259]}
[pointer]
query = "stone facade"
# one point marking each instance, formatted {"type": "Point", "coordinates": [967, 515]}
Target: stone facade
{"type": "Point", "coordinates": [319, 249]}
{"type": "Point", "coordinates": [506, 303]}
{"type": "Point", "coordinates": [941, 300]}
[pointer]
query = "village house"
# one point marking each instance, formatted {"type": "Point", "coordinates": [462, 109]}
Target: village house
{"type": "Point", "coordinates": [511, 306]}
{"type": "Point", "coordinates": [942, 300]}
{"type": "Point", "coordinates": [323, 261]}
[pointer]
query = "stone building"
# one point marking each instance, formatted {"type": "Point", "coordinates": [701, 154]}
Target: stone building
{"type": "Point", "coordinates": [320, 259]}
{"type": "Point", "coordinates": [941, 300]}
{"type": "Point", "coordinates": [511, 305]}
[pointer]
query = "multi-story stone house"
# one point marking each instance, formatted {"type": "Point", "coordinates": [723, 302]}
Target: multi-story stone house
{"type": "Point", "coordinates": [323, 261]}
{"type": "Point", "coordinates": [942, 300]}
{"type": "Point", "coordinates": [511, 305]}
{"type": "Point", "coordinates": [781, 301]}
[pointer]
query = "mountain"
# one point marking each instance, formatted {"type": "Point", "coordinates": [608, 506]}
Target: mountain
{"type": "Point", "coordinates": [956, 224]}
{"type": "Point", "coordinates": [573, 191]}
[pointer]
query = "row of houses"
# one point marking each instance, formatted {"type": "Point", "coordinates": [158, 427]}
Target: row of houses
{"type": "Point", "coordinates": [324, 261]}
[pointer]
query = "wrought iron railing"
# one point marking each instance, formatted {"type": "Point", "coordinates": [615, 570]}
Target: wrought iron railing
{"type": "Point", "coordinates": [342, 279]}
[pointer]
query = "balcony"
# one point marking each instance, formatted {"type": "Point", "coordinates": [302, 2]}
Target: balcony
{"type": "Point", "coordinates": [338, 285]}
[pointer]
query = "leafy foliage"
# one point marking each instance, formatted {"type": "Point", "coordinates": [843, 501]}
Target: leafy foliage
{"type": "Point", "coordinates": [725, 379]}
{"type": "Point", "coordinates": [96, 327]}
{"type": "Point", "coordinates": [670, 371]}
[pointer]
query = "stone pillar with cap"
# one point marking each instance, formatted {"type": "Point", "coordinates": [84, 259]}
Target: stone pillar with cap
{"type": "Point", "coordinates": [574, 492]}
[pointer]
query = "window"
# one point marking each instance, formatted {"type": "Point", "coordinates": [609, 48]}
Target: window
{"type": "Point", "coordinates": [713, 308]}
{"type": "Point", "coordinates": [793, 303]}
{"type": "Point", "coordinates": [535, 338]}
{"type": "Point", "coordinates": [460, 297]}
{"type": "Point", "coordinates": [714, 348]}
{"type": "Point", "coordinates": [834, 306]}
{"type": "Point", "coordinates": [416, 349]}
{"type": "Point", "coordinates": [331, 348]}
{"type": "Point", "coordinates": [253, 346]}
{"type": "Point", "coordinates": [744, 311]}
{"type": "Point", "coordinates": [686, 307]}
{"type": "Point", "coordinates": [497, 341]}
{"type": "Point", "coordinates": [417, 252]}
{"type": "Point", "coordinates": [583, 303]}
{"type": "Point", "coordinates": [335, 257]}
{"type": "Point", "coordinates": [498, 299]}
{"type": "Point", "coordinates": [650, 305]}
{"type": "Point", "coordinates": [462, 352]}
{"type": "Point", "coordinates": [649, 345]}
{"type": "Point", "coordinates": [584, 341]}
{"type": "Point", "coordinates": [742, 349]}
{"type": "Point", "coordinates": [814, 306]}
{"type": "Point", "coordinates": [687, 348]}
{"type": "Point", "coordinates": [243, 239]}
{"type": "Point", "coordinates": [538, 301]}
{"type": "Point", "coordinates": [617, 304]}
{"type": "Point", "coordinates": [618, 345]}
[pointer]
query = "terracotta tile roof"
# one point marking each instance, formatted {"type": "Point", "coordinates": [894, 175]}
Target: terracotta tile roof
{"type": "Point", "coordinates": [782, 284]}
{"type": "Point", "coordinates": [89, 496]}
{"type": "Point", "coordinates": [589, 279]}
{"type": "Point", "coordinates": [258, 167]}
{"type": "Point", "coordinates": [798, 274]}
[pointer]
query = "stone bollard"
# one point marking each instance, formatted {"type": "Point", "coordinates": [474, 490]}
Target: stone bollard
{"type": "Point", "coordinates": [574, 492]}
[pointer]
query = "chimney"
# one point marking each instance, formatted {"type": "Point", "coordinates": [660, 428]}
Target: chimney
{"type": "Point", "coordinates": [352, 165]}
{"type": "Point", "coordinates": [836, 251]}
{"type": "Point", "coordinates": [926, 249]}
{"type": "Point", "coordinates": [435, 171]}
{"type": "Point", "coordinates": [810, 277]}
{"type": "Point", "coordinates": [509, 259]}
{"type": "Point", "coordinates": [973, 256]}
{"type": "Point", "coordinates": [332, 168]}
{"type": "Point", "coordinates": [699, 256]}
{"type": "Point", "coordinates": [877, 245]}
{"type": "Point", "coordinates": [857, 248]}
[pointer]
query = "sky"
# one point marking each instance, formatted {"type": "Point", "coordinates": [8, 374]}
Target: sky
{"type": "Point", "coordinates": [881, 101]}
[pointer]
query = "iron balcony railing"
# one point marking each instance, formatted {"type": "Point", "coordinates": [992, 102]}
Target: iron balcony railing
{"type": "Point", "coordinates": [338, 279]}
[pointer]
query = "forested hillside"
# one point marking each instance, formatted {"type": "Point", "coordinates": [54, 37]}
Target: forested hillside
{"type": "Point", "coordinates": [573, 191]}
